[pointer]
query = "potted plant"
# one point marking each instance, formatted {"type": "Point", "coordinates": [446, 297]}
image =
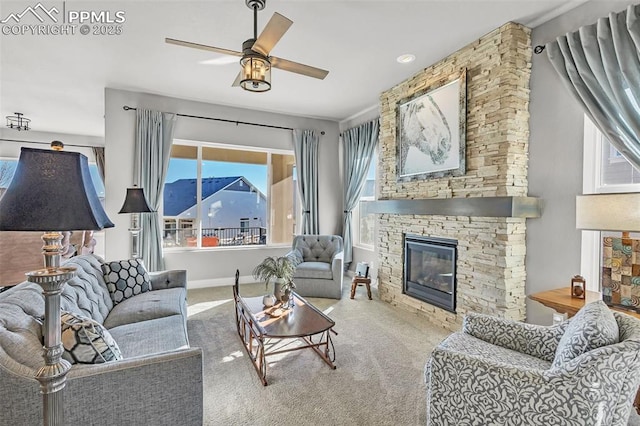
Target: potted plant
{"type": "Point", "coordinates": [280, 270]}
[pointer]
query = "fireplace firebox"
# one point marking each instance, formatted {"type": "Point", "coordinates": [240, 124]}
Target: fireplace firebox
{"type": "Point", "coordinates": [430, 270]}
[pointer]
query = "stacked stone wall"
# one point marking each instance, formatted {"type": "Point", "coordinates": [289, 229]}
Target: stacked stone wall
{"type": "Point", "coordinates": [491, 251]}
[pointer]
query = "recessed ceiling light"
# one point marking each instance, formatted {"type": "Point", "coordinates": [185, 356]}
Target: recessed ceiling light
{"type": "Point", "coordinates": [406, 58]}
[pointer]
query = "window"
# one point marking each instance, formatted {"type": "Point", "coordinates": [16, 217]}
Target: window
{"type": "Point", "coordinates": [605, 170]}
{"type": "Point", "coordinates": [364, 225]}
{"type": "Point", "coordinates": [218, 195]}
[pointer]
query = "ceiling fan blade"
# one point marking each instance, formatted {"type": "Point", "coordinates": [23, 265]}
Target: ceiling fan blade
{"type": "Point", "coordinates": [202, 47]}
{"type": "Point", "coordinates": [271, 34]}
{"type": "Point", "coordinates": [291, 66]}
{"type": "Point", "coordinates": [236, 82]}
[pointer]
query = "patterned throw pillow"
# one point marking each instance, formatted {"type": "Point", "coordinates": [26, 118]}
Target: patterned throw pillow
{"type": "Point", "coordinates": [126, 278]}
{"type": "Point", "coordinates": [592, 327]}
{"type": "Point", "coordinates": [86, 341]}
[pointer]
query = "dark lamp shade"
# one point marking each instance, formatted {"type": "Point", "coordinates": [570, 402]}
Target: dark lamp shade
{"type": "Point", "coordinates": [135, 202]}
{"type": "Point", "coordinates": [51, 191]}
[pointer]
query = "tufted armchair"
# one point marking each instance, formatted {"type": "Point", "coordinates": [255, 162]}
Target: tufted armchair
{"type": "Point", "coordinates": [584, 371]}
{"type": "Point", "coordinates": [318, 260]}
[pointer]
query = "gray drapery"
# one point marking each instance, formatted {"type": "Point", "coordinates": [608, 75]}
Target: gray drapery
{"type": "Point", "coordinates": [305, 146]}
{"type": "Point", "coordinates": [154, 136]}
{"type": "Point", "coordinates": [600, 65]}
{"type": "Point", "coordinates": [98, 153]}
{"type": "Point", "coordinates": [358, 146]}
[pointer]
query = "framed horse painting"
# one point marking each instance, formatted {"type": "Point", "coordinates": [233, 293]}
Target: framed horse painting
{"type": "Point", "coordinates": [430, 127]}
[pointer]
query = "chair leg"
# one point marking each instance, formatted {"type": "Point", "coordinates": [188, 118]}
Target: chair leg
{"type": "Point", "coordinates": [353, 289]}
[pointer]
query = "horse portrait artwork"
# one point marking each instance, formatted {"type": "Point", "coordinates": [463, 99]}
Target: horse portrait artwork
{"type": "Point", "coordinates": [431, 133]}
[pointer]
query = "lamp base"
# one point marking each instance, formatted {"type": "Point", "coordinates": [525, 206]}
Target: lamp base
{"type": "Point", "coordinates": [52, 376]}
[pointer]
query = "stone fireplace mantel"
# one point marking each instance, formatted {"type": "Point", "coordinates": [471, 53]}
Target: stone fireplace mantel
{"type": "Point", "coordinates": [520, 207]}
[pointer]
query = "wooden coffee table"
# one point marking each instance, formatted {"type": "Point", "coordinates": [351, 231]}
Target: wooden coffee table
{"type": "Point", "coordinates": [260, 332]}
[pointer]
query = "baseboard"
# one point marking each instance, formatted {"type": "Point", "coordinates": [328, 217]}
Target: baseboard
{"type": "Point", "coordinates": [219, 282]}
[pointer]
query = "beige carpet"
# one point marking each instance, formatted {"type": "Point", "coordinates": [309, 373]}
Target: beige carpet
{"type": "Point", "coordinates": [380, 355]}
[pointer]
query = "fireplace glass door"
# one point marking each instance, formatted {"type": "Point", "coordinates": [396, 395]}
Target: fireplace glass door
{"type": "Point", "coordinates": [430, 270]}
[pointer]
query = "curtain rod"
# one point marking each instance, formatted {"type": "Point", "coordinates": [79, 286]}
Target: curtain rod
{"type": "Point", "coordinates": [49, 143]}
{"type": "Point", "coordinates": [236, 122]}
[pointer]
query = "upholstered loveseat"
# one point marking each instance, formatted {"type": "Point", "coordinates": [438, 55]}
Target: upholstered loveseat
{"type": "Point", "coordinates": [319, 263]}
{"type": "Point", "coordinates": [584, 371]}
{"type": "Point", "coordinates": [158, 381]}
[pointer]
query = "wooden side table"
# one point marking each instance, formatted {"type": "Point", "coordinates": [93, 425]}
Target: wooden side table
{"type": "Point", "coordinates": [360, 280]}
{"type": "Point", "coordinates": [561, 301]}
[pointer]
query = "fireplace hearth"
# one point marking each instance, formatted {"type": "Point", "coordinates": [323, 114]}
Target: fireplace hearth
{"type": "Point", "coordinates": [430, 270]}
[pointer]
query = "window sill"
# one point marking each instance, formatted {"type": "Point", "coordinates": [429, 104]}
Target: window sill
{"type": "Point", "coordinates": [365, 248]}
{"type": "Point", "coordinates": [224, 248]}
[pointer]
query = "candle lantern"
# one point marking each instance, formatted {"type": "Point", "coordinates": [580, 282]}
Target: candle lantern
{"type": "Point", "coordinates": [578, 287]}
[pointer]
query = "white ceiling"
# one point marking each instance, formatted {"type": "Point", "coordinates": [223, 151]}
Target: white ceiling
{"type": "Point", "coordinates": [59, 81]}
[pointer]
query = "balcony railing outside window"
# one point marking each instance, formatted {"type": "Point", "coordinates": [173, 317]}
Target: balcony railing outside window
{"type": "Point", "coordinates": [215, 237]}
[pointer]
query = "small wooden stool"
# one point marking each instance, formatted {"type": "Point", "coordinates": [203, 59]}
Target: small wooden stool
{"type": "Point", "coordinates": [360, 280]}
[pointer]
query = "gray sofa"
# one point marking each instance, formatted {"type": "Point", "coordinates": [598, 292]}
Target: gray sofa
{"type": "Point", "coordinates": [158, 381]}
{"type": "Point", "coordinates": [585, 371]}
{"type": "Point", "coordinates": [319, 264]}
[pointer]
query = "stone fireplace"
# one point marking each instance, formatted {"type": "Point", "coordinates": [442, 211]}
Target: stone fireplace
{"type": "Point", "coordinates": [489, 274]}
{"type": "Point", "coordinates": [430, 270]}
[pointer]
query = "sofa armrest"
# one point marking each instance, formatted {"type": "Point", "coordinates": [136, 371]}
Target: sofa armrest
{"type": "Point", "coordinates": [137, 390]}
{"type": "Point", "coordinates": [168, 279]}
{"type": "Point", "coordinates": [337, 265]}
{"type": "Point", "coordinates": [535, 340]}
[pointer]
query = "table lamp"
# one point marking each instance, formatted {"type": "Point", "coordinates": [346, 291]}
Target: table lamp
{"type": "Point", "coordinates": [612, 212]}
{"type": "Point", "coordinates": [52, 191]}
{"type": "Point", "coordinates": [135, 202]}
{"type": "Point", "coordinates": [609, 212]}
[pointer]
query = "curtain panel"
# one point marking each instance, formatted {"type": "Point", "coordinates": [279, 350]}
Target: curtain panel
{"type": "Point", "coordinates": [98, 153]}
{"type": "Point", "coordinates": [600, 66]}
{"type": "Point", "coordinates": [358, 145]}
{"type": "Point", "coordinates": [305, 145]}
{"type": "Point", "coordinates": [154, 136]}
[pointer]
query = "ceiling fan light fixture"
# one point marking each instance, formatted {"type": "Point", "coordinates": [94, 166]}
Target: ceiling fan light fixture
{"type": "Point", "coordinates": [256, 73]}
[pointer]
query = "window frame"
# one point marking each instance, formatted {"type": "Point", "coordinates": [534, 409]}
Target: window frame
{"type": "Point", "coordinates": [198, 220]}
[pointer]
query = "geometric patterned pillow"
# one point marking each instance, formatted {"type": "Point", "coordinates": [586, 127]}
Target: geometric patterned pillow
{"type": "Point", "coordinates": [86, 341]}
{"type": "Point", "coordinates": [126, 278]}
{"type": "Point", "coordinates": [592, 327]}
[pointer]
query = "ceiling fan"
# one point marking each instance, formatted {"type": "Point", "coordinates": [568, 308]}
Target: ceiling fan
{"type": "Point", "coordinates": [255, 62]}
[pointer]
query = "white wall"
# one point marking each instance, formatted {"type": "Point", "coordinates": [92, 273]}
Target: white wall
{"type": "Point", "coordinates": [361, 254]}
{"type": "Point", "coordinates": [555, 163]}
{"type": "Point", "coordinates": [214, 264]}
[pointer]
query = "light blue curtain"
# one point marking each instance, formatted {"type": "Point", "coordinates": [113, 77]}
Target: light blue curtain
{"type": "Point", "coordinates": [305, 146]}
{"type": "Point", "coordinates": [154, 136]}
{"type": "Point", "coordinates": [600, 65]}
{"type": "Point", "coordinates": [358, 146]}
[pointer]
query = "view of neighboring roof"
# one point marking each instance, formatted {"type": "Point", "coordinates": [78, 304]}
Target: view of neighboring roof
{"type": "Point", "coordinates": [181, 194]}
